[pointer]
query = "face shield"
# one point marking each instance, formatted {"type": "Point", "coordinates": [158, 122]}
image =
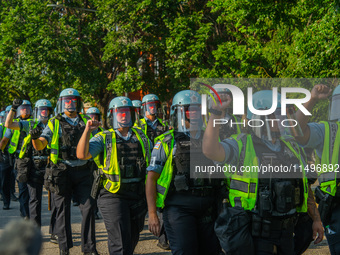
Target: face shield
{"type": "Point", "coordinates": [213, 101]}
{"type": "Point", "coordinates": [138, 111]}
{"type": "Point", "coordinates": [152, 108]}
{"type": "Point", "coordinates": [42, 113]}
{"type": "Point", "coordinates": [187, 118]}
{"type": "Point", "coordinates": [276, 125]}
{"type": "Point", "coordinates": [24, 111]}
{"type": "Point", "coordinates": [334, 106]}
{"type": "Point", "coordinates": [70, 104]}
{"type": "Point", "coordinates": [122, 117]}
{"type": "Point", "coordinates": [94, 116]}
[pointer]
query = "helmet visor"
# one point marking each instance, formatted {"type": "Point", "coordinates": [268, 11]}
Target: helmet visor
{"type": "Point", "coordinates": [276, 125]}
{"type": "Point", "coordinates": [123, 117]}
{"type": "Point", "coordinates": [152, 108]}
{"type": "Point", "coordinates": [94, 116]}
{"type": "Point", "coordinates": [334, 106]}
{"type": "Point", "coordinates": [186, 118]}
{"type": "Point", "coordinates": [70, 104]}
{"type": "Point", "coordinates": [42, 113]}
{"type": "Point", "coordinates": [24, 111]}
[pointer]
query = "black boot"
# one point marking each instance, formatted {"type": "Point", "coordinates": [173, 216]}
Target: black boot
{"type": "Point", "coordinates": [64, 252]}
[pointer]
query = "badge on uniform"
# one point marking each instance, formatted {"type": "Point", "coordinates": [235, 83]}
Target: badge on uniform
{"type": "Point", "coordinates": [157, 145]}
{"type": "Point", "coordinates": [153, 161]}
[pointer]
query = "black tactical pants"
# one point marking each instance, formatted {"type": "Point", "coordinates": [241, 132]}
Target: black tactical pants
{"type": "Point", "coordinates": [124, 220]}
{"type": "Point", "coordinates": [280, 240]}
{"type": "Point", "coordinates": [35, 197]}
{"type": "Point", "coordinates": [332, 232]}
{"type": "Point", "coordinates": [24, 198]}
{"type": "Point", "coordinates": [81, 179]}
{"type": "Point", "coordinates": [5, 181]}
{"type": "Point", "coordinates": [53, 215]}
{"type": "Point", "coordinates": [189, 225]}
{"type": "Point", "coordinates": [303, 233]}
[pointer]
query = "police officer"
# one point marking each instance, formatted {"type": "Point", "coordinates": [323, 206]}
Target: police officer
{"type": "Point", "coordinates": [264, 202]}
{"type": "Point", "coordinates": [137, 104]}
{"type": "Point", "coordinates": [324, 137]}
{"type": "Point", "coordinates": [30, 163]}
{"type": "Point", "coordinates": [95, 115]}
{"type": "Point", "coordinates": [9, 161]}
{"type": "Point", "coordinates": [54, 237]}
{"type": "Point", "coordinates": [2, 120]}
{"type": "Point", "coordinates": [66, 174]}
{"type": "Point", "coordinates": [122, 154]}
{"type": "Point", "coordinates": [152, 125]}
{"type": "Point", "coordinates": [22, 110]}
{"type": "Point", "coordinates": [232, 126]}
{"type": "Point", "coordinates": [189, 204]}
{"type": "Point", "coordinates": [5, 168]}
{"type": "Point", "coordinates": [42, 113]}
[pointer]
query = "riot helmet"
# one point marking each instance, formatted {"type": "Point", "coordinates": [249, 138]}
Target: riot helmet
{"type": "Point", "coordinates": [274, 125]}
{"type": "Point", "coordinates": [121, 113]}
{"type": "Point", "coordinates": [43, 110]}
{"type": "Point", "coordinates": [151, 106]}
{"type": "Point", "coordinates": [94, 113]}
{"type": "Point", "coordinates": [2, 117]}
{"type": "Point", "coordinates": [69, 100]}
{"type": "Point", "coordinates": [185, 111]}
{"type": "Point", "coordinates": [24, 110]}
{"type": "Point", "coordinates": [334, 106]}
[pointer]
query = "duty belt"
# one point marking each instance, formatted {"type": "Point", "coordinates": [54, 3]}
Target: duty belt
{"type": "Point", "coordinates": [278, 223]}
{"type": "Point", "coordinates": [131, 180]}
{"type": "Point", "coordinates": [40, 157]}
{"type": "Point", "coordinates": [199, 192]}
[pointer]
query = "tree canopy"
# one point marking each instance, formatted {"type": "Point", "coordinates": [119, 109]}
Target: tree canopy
{"type": "Point", "coordinates": [109, 47]}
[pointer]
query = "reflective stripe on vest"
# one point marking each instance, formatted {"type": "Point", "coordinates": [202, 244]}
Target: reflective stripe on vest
{"type": "Point", "coordinates": [55, 137]}
{"type": "Point", "coordinates": [330, 156]}
{"type": "Point", "coordinates": [243, 189]}
{"type": "Point", "coordinates": [164, 180]}
{"type": "Point", "coordinates": [144, 126]}
{"type": "Point", "coordinates": [3, 130]}
{"type": "Point", "coordinates": [13, 143]}
{"type": "Point", "coordinates": [110, 167]}
{"type": "Point", "coordinates": [27, 140]}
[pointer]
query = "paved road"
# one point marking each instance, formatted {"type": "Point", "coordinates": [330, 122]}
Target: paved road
{"type": "Point", "coordinates": [146, 245]}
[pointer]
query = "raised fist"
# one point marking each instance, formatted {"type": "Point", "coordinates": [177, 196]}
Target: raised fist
{"type": "Point", "coordinates": [35, 133]}
{"type": "Point", "coordinates": [16, 103]}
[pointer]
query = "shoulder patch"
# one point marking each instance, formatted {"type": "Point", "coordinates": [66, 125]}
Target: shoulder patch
{"type": "Point", "coordinates": [157, 145]}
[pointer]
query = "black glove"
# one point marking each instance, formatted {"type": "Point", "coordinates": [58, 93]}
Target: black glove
{"type": "Point", "coordinates": [35, 133]}
{"type": "Point", "coordinates": [16, 104]}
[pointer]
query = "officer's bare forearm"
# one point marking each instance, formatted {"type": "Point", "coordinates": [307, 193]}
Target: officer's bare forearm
{"type": "Point", "coordinates": [3, 143]}
{"type": "Point", "coordinates": [9, 121]}
{"type": "Point", "coordinates": [312, 210]}
{"type": "Point", "coordinates": [39, 144]}
{"type": "Point", "coordinates": [151, 192]}
{"type": "Point", "coordinates": [211, 146]}
{"type": "Point", "coordinates": [83, 145]}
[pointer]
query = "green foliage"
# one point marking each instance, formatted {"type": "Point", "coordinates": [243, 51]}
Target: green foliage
{"type": "Point", "coordinates": [105, 48]}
